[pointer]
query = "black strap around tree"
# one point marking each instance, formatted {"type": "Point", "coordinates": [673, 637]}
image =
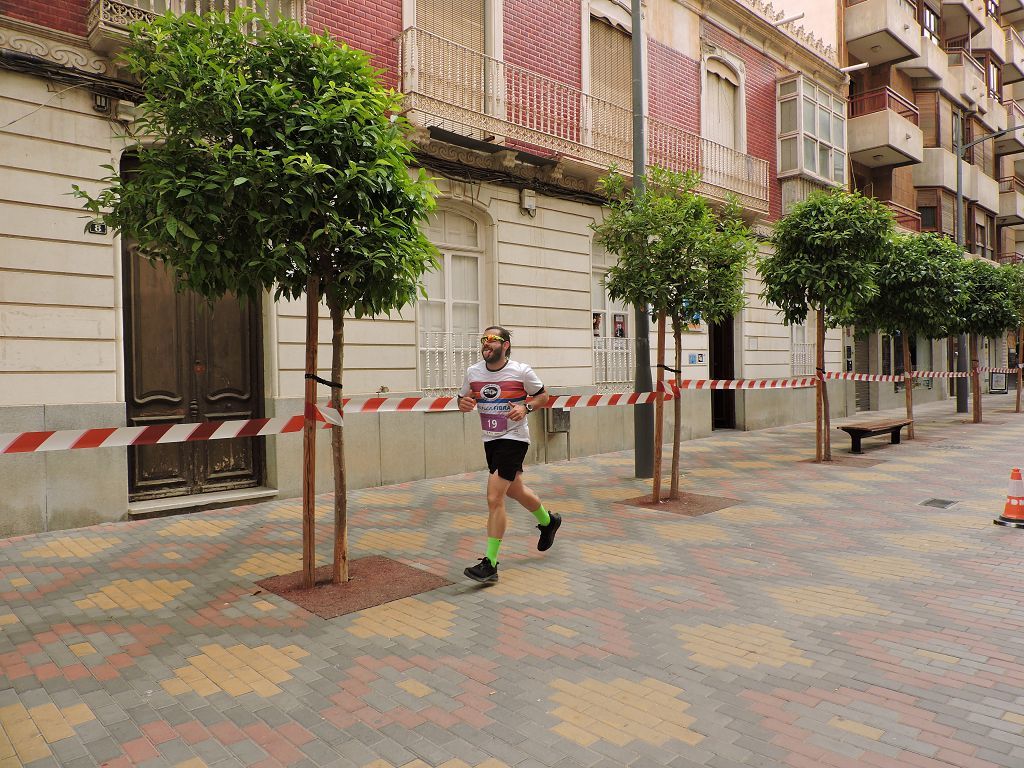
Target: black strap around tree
{"type": "Point", "coordinates": [673, 370]}
{"type": "Point", "coordinates": [325, 382]}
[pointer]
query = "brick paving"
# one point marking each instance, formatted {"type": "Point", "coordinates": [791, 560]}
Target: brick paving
{"type": "Point", "coordinates": [827, 619]}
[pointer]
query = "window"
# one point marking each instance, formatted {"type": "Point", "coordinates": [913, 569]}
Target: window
{"type": "Point", "coordinates": [929, 24]}
{"type": "Point", "coordinates": [802, 340]}
{"type": "Point", "coordinates": [992, 8]}
{"type": "Point", "coordinates": [613, 346]}
{"type": "Point", "coordinates": [611, 87]}
{"type": "Point", "coordinates": [812, 131]}
{"type": "Point", "coordinates": [938, 210]}
{"type": "Point", "coordinates": [929, 217]}
{"type": "Point", "coordinates": [450, 317]}
{"type": "Point", "coordinates": [722, 113]}
{"type": "Point", "coordinates": [993, 73]}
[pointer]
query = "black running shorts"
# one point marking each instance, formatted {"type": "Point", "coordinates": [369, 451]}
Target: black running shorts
{"type": "Point", "coordinates": [505, 457]}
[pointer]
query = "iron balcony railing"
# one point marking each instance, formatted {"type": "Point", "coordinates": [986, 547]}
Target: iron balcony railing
{"type": "Point", "coordinates": [881, 99]}
{"type": "Point", "coordinates": [444, 358]}
{"type": "Point", "coordinates": [613, 363]}
{"type": "Point", "coordinates": [120, 14]}
{"type": "Point", "coordinates": [1011, 184]}
{"type": "Point", "coordinates": [460, 89]}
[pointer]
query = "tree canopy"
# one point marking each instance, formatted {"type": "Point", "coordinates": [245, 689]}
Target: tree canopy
{"type": "Point", "coordinates": [825, 254]}
{"type": "Point", "coordinates": [989, 310]}
{"type": "Point", "coordinates": [919, 291]}
{"type": "Point", "coordinates": [266, 154]}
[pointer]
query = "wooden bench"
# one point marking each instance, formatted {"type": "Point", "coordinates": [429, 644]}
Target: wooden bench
{"type": "Point", "coordinates": [858, 432]}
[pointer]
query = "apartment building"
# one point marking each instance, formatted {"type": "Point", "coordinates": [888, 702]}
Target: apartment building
{"type": "Point", "coordinates": [518, 109]}
{"type": "Point", "coordinates": [933, 70]}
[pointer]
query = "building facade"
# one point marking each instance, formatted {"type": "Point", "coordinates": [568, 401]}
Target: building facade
{"type": "Point", "coordinates": [925, 72]}
{"type": "Point", "coordinates": [518, 109]}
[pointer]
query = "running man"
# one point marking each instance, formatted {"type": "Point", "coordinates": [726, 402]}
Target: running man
{"type": "Point", "coordinates": [504, 392]}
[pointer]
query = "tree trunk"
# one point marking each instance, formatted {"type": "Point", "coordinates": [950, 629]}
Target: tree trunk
{"type": "Point", "coordinates": [908, 384]}
{"type": "Point", "coordinates": [1020, 351]}
{"type": "Point", "coordinates": [339, 574]}
{"type": "Point", "coordinates": [975, 378]}
{"type": "Point", "coordinates": [309, 437]}
{"type": "Point", "coordinates": [824, 439]}
{"type": "Point", "coordinates": [659, 411]}
{"type": "Point", "coordinates": [677, 412]}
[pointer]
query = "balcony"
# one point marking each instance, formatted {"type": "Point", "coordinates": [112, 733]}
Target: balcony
{"type": "Point", "coordinates": [906, 218]}
{"type": "Point", "coordinates": [882, 31]}
{"type": "Point", "coordinates": [1011, 201]}
{"type": "Point", "coordinates": [883, 129]}
{"type": "Point", "coordinates": [938, 169]}
{"type": "Point", "coordinates": [986, 189]}
{"type": "Point", "coordinates": [962, 17]}
{"type": "Point", "coordinates": [994, 116]}
{"type": "Point", "coordinates": [1013, 70]}
{"type": "Point", "coordinates": [1012, 142]}
{"type": "Point", "coordinates": [108, 20]}
{"type": "Point", "coordinates": [972, 86]}
{"type": "Point", "coordinates": [1010, 257]}
{"type": "Point", "coordinates": [463, 91]}
{"type": "Point", "coordinates": [933, 63]}
{"type": "Point", "coordinates": [990, 37]}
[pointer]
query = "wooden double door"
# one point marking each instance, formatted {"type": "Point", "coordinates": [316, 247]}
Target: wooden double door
{"type": "Point", "coordinates": [189, 361]}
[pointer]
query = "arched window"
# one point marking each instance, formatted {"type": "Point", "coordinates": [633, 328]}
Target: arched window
{"type": "Point", "coordinates": [450, 317]}
{"type": "Point", "coordinates": [723, 110]}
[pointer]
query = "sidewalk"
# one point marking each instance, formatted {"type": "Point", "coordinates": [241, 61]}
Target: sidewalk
{"type": "Point", "coordinates": [827, 618]}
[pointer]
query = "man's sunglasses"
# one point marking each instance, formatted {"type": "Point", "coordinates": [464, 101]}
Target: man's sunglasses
{"type": "Point", "coordinates": [490, 337]}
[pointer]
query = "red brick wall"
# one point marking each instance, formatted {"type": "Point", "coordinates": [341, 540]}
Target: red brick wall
{"type": "Point", "coordinates": [544, 36]}
{"type": "Point", "coordinates": [760, 90]}
{"type": "Point", "coordinates": [673, 91]}
{"type": "Point", "coordinates": [65, 15]}
{"type": "Point", "coordinates": [370, 25]}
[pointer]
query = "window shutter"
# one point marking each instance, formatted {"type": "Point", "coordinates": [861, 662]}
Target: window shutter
{"type": "Point", "coordinates": [927, 104]}
{"type": "Point", "coordinates": [611, 64]}
{"type": "Point", "coordinates": [949, 214]}
{"type": "Point", "coordinates": [459, 21]}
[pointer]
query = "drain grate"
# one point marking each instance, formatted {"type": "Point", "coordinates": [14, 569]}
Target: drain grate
{"type": "Point", "coordinates": [939, 503]}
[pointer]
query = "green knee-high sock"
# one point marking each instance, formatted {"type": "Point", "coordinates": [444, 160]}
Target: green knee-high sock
{"type": "Point", "coordinates": [493, 545]}
{"type": "Point", "coordinates": [542, 515]}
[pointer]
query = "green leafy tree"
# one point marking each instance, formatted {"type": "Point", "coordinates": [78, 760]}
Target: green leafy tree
{"type": "Point", "coordinates": [989, 312]}
{"type": "Point", "coordinates": [273, 160]}
{"type": "Point", "coordinates": [825, 255]}
{"type": "Point", "coordinates": [678, 256]}
{"type": "Point", "coordinates": [918, 295]}
{"type": "Point", "coordinates": [1015, 285]}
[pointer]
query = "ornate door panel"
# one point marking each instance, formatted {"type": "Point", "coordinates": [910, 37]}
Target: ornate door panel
{"type": "Point", "coordinates": [188, 361]}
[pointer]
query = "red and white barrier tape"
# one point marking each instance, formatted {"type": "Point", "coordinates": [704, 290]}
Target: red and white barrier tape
{"type": "Point", "coordinates": [159, 434]}
{"type": "Point", "coordinates": [740, 383]}
{"type": "Point", "coordinates": [939, 374]}
{"type": "Point", "coordinates": [997, 370]}
{"type": "Point", "coordinates": [861, 376]}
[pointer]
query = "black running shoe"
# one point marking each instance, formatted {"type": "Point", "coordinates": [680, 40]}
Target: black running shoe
{"type": "Point", "coordinates": [547, 532]}
{"type": "Point", "coordinates": [483, 571]}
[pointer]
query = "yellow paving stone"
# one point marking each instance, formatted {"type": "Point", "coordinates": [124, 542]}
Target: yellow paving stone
{"type": "Point", "coordinates": [51, 723]}
{"type": "Point", "coordinates": [77, 714]}
{"type": "Point", "coordinates": [20, 581]}
{"type": "Point", "coordinates": [409, 617]}
{"type": "Point", "coordinates": [852, 726]}
{"type": "Point", "coordinates": [31, 748]}
{"type": "Point", "coordinates": [415, 687]}
{"type": "Point", "coordinates": [81, 649]}
{"type": "Point", "coordinates": [883, 567]}
{"type": "Point", "coordinates": [746, 645]}
{"type": "Point", "coordinates": [620, 554]}
{"type": "Point", "coordinates": [384, 540]}
{"type": "Point", "coordinates": [689, 530]}
{"type": "Point", "coordinates": [454, 764]}
{"type": "Point", "coordinates": [172, 555]}
{"type": "Point", "coordinates": [416, 764]}
{"type": "Point", "coordinates": [198, 527]}
{"type": "Point", "coordinates": [563, 631]}
{"type": "Point", "coordinates": [7, 618]}
{"type": "Point", "coordinates": [620, 712]}
{"type": "Point", "coordinates": [944, 657]}
{"type": "Point", "coordinates": [129, 594]}
{"type": "Point", "coordinates": [492, 762]}
{"type": "Point", "coordinates": [1014, 717]}
{"type": "Point", "coordinates": [236, 670]}
{"type": "Point", "coordinates": [825, 600]}
{"type": "Point", "coordinates": [263, 605]}
{"type": "Point", "coordinates": [532, 580]}
{"type": "Point", "coordinates": [6, 748]}
{"type": "Point", "coordinates": [269, 564]}
{"type": "Point", "coordinates": [195, 762]}
{"type": "Point", "coordinates": [73, 546]}
{"type": "Point", "coordinates": [574, 734]}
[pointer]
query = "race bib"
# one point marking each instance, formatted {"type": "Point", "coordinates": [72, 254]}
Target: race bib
{"type": "Point", "coordinates": [494, 423]}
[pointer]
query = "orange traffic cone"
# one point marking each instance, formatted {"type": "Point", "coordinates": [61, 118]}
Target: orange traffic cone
{"type": "Point", "coordinates": [1013, 512]}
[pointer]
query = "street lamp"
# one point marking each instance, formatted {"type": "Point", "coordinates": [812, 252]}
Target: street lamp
{"type": "Point", "coordinates": [960, 149]}
{"type": "Point", "coordinates": [643, 415]}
